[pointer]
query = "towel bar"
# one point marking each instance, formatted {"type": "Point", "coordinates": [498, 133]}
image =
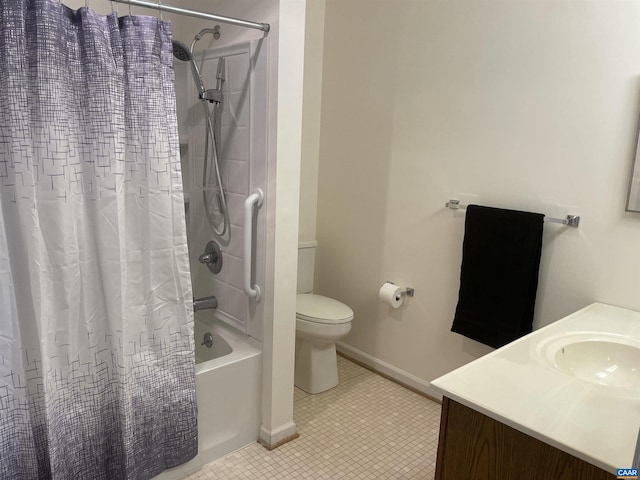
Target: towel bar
{"type": "Point", "coordinates": [570, 220]}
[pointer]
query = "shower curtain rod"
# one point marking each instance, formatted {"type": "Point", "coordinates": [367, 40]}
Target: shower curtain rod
{"type": "Point", "coordinates": [194, 13]}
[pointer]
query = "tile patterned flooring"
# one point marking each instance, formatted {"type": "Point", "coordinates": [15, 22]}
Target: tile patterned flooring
{"type": "Point", "coordinates": [367, 427]}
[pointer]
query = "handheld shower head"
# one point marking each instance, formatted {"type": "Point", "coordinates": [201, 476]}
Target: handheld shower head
{"type": "Point", "coordinates": [182, 52]}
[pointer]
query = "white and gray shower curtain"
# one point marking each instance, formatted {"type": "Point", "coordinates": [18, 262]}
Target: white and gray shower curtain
{"type": "Point", "coordinates": [96, 348]}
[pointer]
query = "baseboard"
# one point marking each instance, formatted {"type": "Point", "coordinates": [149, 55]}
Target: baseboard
{"type": "Point", "coordinates": [387, 370]}
{"type": "Point", "coordinates": [271, 439]}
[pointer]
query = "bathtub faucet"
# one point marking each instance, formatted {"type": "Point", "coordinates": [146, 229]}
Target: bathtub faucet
{"type": "Point", "coordinates": [205, 303]}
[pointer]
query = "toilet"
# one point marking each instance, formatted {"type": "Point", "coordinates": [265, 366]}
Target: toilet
{"type": "Point", "coordinates": [320, 322]}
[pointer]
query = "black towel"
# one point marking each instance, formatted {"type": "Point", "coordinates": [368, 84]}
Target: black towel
{"type": "Point", "coordinates": [499, 274]}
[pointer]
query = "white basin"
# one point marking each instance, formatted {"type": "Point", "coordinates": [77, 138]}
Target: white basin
{"type": "Point", "coordinates": [600, 358]}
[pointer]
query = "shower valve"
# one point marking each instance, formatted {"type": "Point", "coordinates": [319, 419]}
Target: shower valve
{"type": "Point", "coordinates": [212, 257]}
{"type": "Point", "coordinates": [208, 258]}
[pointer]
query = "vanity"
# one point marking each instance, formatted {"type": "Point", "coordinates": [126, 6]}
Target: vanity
{"type": "Point", "coordinates": [560, 403]}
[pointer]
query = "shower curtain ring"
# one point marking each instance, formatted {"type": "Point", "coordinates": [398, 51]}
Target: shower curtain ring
{"type": "Point", "coordinates": [160, 10]}
{"type": "Point", "coordinates": [130, 10]}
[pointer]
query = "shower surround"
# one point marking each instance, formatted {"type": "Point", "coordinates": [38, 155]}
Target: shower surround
{"type": "Point", "coordinates": [243, 164]}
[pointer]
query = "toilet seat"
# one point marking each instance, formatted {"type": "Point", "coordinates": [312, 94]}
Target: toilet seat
{"type": "Point", "coordinates": [319, 309]}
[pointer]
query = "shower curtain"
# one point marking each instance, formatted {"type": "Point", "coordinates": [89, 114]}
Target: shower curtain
{"type": "Point", "coordinates": [96, 317]}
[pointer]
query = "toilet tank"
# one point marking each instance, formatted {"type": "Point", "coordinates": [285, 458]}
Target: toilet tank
{"type": "Point", "coordinates": [306, 265]}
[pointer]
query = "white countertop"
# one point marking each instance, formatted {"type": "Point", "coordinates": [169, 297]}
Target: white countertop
{"type": "Point", "coordinates": [518, 387]}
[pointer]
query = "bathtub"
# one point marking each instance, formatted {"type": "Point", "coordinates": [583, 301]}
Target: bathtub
{"type": "Point", "coordinates": [228, 389]}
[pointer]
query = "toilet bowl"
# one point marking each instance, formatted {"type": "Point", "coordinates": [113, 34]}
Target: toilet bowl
{"type": "Point", "coordinates": [320, 322]}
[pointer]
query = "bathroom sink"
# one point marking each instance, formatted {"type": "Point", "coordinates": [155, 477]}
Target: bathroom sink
{"type": "Point", "coordinates": [603, 359]}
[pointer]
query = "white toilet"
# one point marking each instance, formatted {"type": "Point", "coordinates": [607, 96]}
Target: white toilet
{"type": "Point", "coordinates": [320, 322]}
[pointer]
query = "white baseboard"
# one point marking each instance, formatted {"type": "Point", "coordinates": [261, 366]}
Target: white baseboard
{"type": "Point", "coordinates": [386, 369]}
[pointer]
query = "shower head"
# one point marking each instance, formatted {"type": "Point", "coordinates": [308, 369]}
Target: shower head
{"type": "Point", "coordinates": [181, 51]}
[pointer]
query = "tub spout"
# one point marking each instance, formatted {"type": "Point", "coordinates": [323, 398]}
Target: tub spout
{"type": "Point", "coordinates": [205, 303]}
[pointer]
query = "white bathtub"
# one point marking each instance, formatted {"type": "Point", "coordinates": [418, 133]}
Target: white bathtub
{"type": "Point", "coordinates": [228, 388]}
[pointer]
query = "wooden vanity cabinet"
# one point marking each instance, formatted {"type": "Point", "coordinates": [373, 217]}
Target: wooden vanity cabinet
{"type": "Point", "coordinates": [473, 446]}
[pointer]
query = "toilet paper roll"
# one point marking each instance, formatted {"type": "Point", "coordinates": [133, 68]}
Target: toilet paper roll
{"type": "Point", "coordinates": [391, 295]}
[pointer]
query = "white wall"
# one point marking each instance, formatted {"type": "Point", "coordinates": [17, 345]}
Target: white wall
{"type": "Point", "coordinates": [527, 105]}
{"type": "Point", "coordinates": [314, 43]}
{"type": "Point", "coordinates": [277, 407]}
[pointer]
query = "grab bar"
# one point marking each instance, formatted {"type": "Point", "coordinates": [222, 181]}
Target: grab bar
{"type": "Point", "coordinates": [255, 199]}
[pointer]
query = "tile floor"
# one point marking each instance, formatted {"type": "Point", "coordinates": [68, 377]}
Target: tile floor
{"type": "Point", "coordinates": [366, 428]}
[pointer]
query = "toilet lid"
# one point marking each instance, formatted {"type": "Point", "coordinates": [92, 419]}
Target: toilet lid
{"type": "Point", "coordinates": [319, 309]}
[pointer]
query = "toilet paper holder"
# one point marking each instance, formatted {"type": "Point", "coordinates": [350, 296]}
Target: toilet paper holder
{"type": "Point", "coordinates": [405, 292]}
